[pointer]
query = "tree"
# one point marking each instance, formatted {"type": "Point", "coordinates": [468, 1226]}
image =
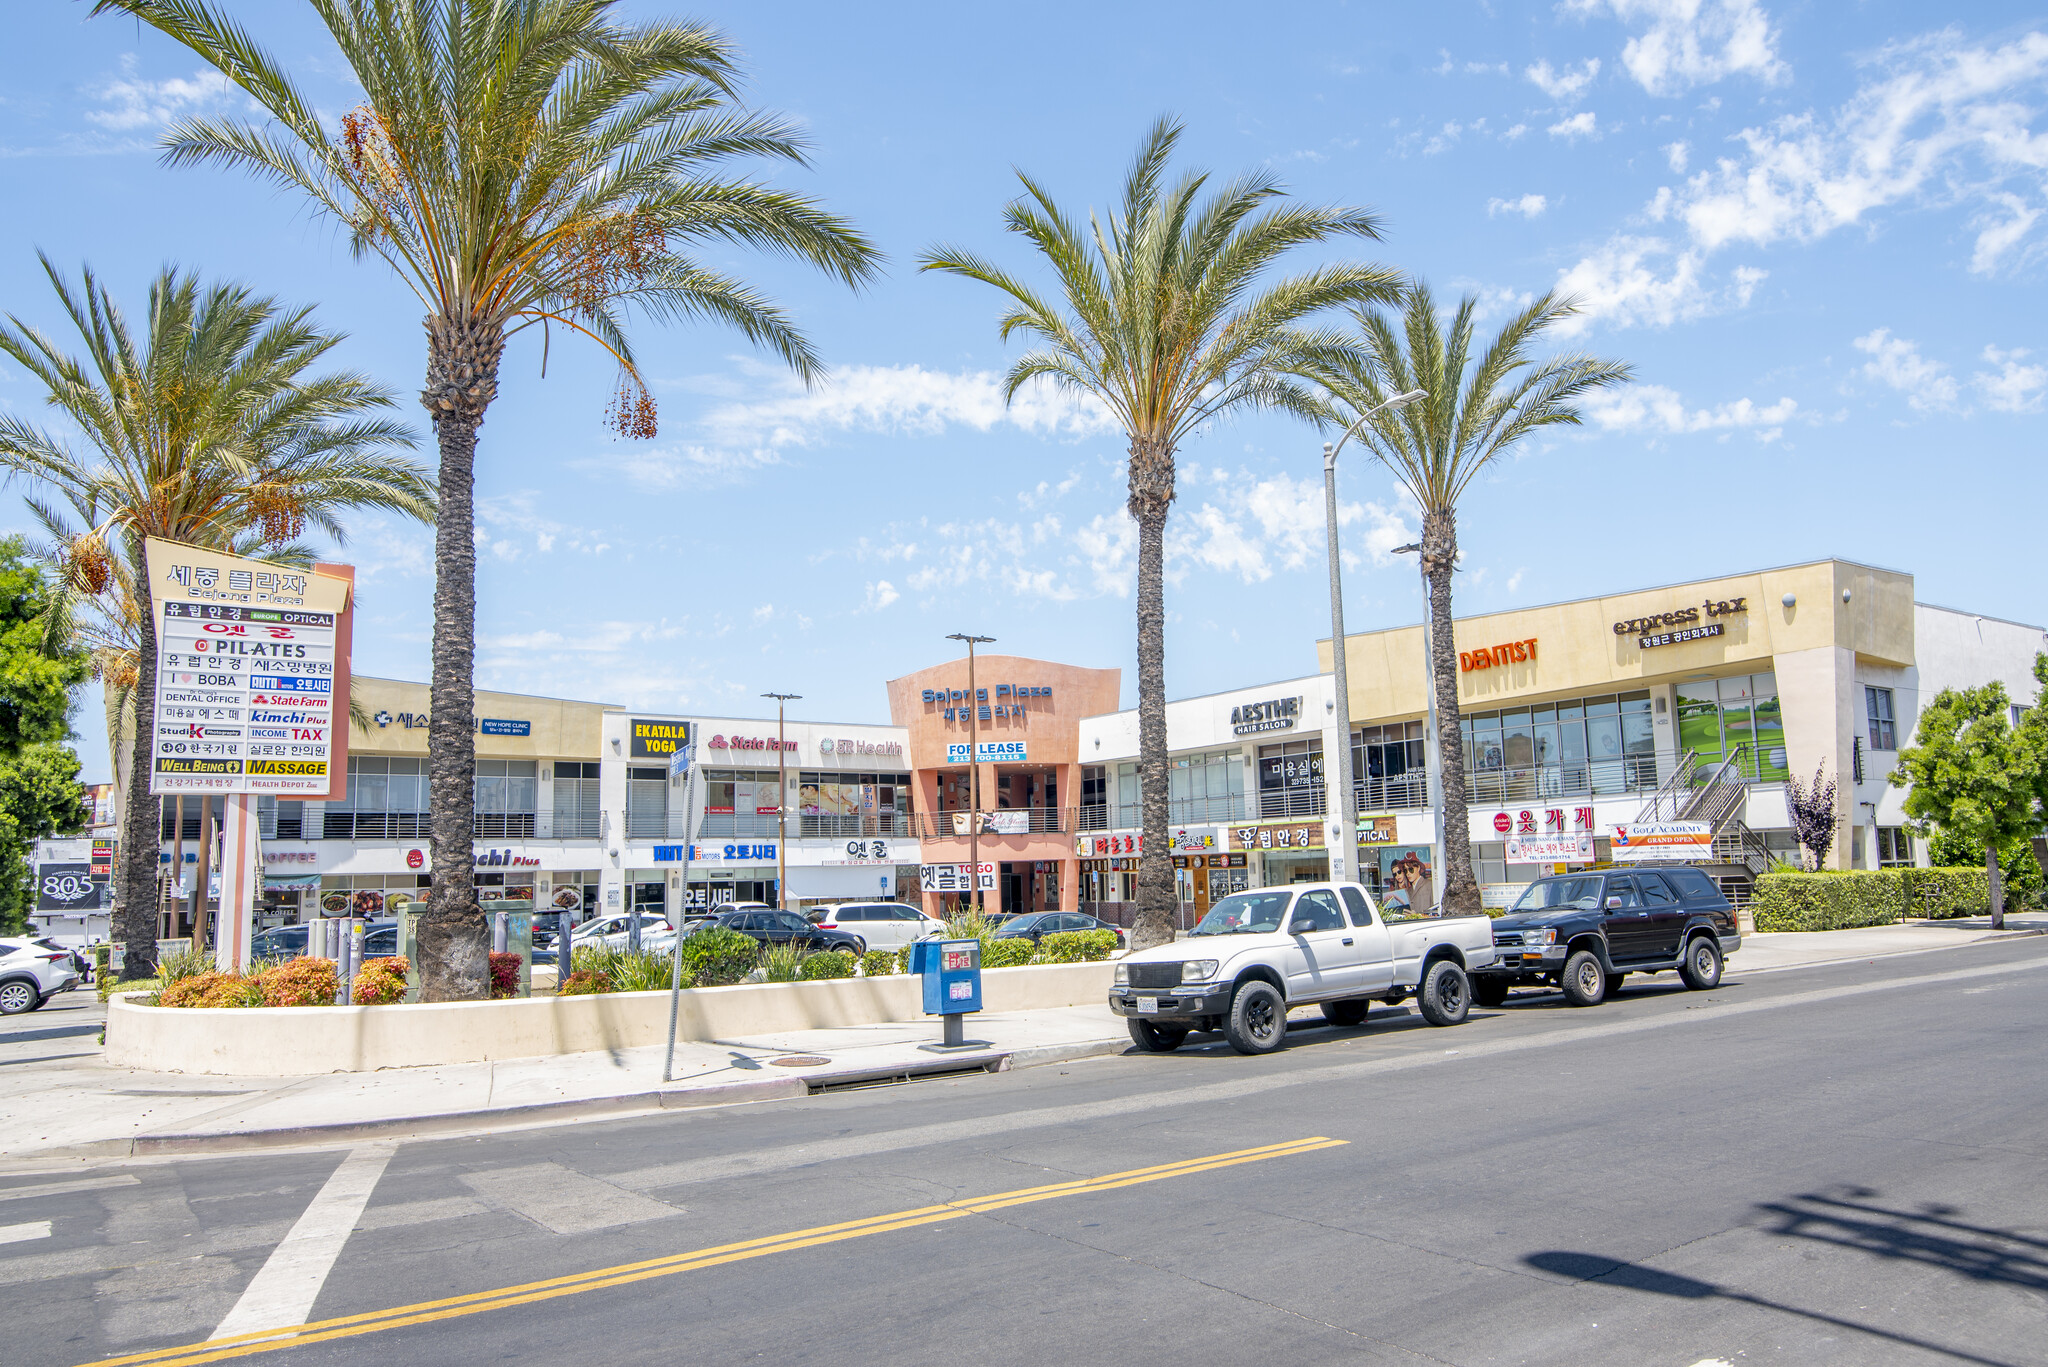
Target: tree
{"type": "Point", "coordinates": [206, 427]}
{"type": "Point", "coordinates": [1476, 410]}
{"type": "Point", "coordinates": [1163, 314]}
{"type": "Point", "coordinates": [39, 666]}
{"type": "Point", "coordinates": [1971, 774]}
{"type": "Point", "coordinates": [1813, 815]}
{"type": "Point", "coordinates": [515, 163]}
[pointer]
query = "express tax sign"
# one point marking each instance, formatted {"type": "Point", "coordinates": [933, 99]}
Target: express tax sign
{"type": "Point", "coordinates": [246, 680]}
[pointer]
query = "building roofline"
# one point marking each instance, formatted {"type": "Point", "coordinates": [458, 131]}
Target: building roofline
{"type": "Point", "coordinates": [1982, 616]}
{"type": "Point", "coordinates": [501, 692]}
{"type": "Point", "coordinates": [1650, 588]}
{"type": "Point", "coordinates": [1221, 692]}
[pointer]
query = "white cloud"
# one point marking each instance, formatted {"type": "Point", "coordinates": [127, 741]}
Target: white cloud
{"type": "Point", "coordinates": [1515, 132]}
{"type": "Point", "coordinates": [1635, 281]}
{"type": "Point", "coordinates": [881, 593]}
{"type": "Point", "coordinates": [1515, 580]}
{"type": "Point", "coordinates": [2000, 233]}
{"type": "Point", "coordinates": [1675, 154]}
{"type": "Point", "coordinates": [1579, 125]}
{"type": "Point", "coordinates": [1528, 206]}
{"type": "Point", "coordinates": [1686, 43]}
{"type": "Point", "coordinates": [1563, 84]}
{"type": "Point", "coordinates": [1660, 411]}
{"type": "Point", "coordinates": [1898, 363]}
{"type": "Point", "coordinates": [134, 103]}
{"type": "Point", "coordinates": [2013, 387]}
{"type": "Point", "coordinates": [1109, 543]}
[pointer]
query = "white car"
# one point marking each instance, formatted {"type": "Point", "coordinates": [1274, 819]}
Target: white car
{"type": "Point", "coordinates": [882, 925]}
{"type": "Point", "coordinates": [1258, 954]}
{"type": "Point", "coordinates": [615, 932]}
{"type": "Point", "coordinates": [31, 972]}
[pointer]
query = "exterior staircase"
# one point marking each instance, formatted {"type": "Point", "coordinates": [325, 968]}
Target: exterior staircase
{"type": "Point", "coordinates": [1715, 792]}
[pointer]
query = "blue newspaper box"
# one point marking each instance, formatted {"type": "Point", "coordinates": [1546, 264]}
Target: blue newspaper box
{"type": "Point", "coordinates": [952, 975]}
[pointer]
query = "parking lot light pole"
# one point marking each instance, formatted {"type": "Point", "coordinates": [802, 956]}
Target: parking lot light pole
{"type": "Point", "coordinates": [781, 801]}
{"type": "Point", "coordinates": [1344, 820]}
{"type": "Point", "coordinates": [973, 773]}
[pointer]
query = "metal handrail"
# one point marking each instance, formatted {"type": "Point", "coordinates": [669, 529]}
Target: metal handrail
{"type": "Point", "coordinates": [1721, 796]}
{"type": "Point", "coordinates": [996, 821]}
{"type": "Point", "coordinates": [1673, 793]}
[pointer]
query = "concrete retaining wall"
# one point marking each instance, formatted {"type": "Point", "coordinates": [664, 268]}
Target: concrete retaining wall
{"type": "Point", "coordinates": [270, 1041]}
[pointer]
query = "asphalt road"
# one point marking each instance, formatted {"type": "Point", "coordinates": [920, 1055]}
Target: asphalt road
{"type": "Point", "coordinates": [1836, 1165]}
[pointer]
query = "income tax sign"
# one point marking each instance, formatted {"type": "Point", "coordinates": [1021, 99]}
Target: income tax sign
{"type": "Point", "coordinates": [247, 679]}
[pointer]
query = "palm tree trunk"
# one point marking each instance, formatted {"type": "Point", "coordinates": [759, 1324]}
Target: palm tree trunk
{"type": "Point", "coordinates": [1459, 895]}
{"type": "Point", "coordinates": [462, 379]}
{"type": "Point", "coordinates": [141, 814]}
{"type": "Point", "coordinates": [1151, 498]}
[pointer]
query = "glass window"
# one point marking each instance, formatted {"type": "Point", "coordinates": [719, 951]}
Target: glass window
{"type": "Point", "coordinates": [1583, 893]}
{"type": "Point", "coordinates": [1894, 847]}
{"type": "Point", "coordinates": [647, 802]}
{"type": "Point", "coordinates": [1360, 909]}
{"type": "Point", "coordinates": [1621, 889]}
{"type": "Point", "coordinates": [1291, 778]}
{"type": "Point", "coordinates": [576, 800]}
{"type": "Point", "coordinates": [1656, 892]}
{"type": "Point", "coordinates": [1319, 910]}
{"type": "Point", "coordinates": [1877, 704]}
{"type": "Point", "coordinates": [1249, 912]}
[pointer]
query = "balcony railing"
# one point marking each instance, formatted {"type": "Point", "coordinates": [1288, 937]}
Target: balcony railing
{"type": "Point", "coordinates": [1180, 811]}
{"type": "Point", "coordinates": [835, 825]}
{"type": "Point", "coordinates": [1538, 783]}
{"type": "Point", "coordinates": [1003, 821]}
{"type": "Point", "coordinates": [1292, 802]}
{"type": "Point", "coordinates": [1390, 794]}
{"type": "Point", "coordinates": [722, 824]}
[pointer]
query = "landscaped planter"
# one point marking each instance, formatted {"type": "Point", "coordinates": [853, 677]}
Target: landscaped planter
{"type": "Point", "coordinates": [269, 1041]}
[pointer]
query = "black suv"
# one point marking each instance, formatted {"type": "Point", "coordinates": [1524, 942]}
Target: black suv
{"type": "Point", "coordinates": [1583, 932]}
{"type": "Point", "coordinates": [785, 927]}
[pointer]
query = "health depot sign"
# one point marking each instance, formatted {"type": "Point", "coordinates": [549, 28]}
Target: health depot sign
{"type": "Point", "coordinates": [248, 679]}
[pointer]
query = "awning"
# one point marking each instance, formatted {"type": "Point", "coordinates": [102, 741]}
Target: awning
{"type": "Point", "coordinates": [285, 882]}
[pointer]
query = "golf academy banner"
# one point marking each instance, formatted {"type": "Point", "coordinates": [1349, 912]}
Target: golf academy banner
{"type": "Point", "coordinates": [250, 687]}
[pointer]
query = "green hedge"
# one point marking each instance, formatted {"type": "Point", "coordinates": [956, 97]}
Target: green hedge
{"type": "Point", "coordinates": [1014, 952]}
{"type": "Point", "coordinates": [1873, 897]}
{"type": "Point", "coordinates": [717, 957]}
{"type": "Point", "coordinates": [1076, 946]}
{"type": "Point", "coordinates": [829, 963]}
{"type": "Point", "coordinates": [878, 963]}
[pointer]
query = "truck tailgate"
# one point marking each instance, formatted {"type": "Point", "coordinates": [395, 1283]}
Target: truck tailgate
{"type": "Point", "coordinates": [1411, 941]}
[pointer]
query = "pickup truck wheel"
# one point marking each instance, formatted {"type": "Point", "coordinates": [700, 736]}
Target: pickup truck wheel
{"type": "Point", "coordinates": [1346, 1013]}
{"type": "Point", "coordinates": [1157, 1039]}
{"type": "Point", "coordinates": [1701, 968]}
{"type": "Point", "coordinates": [1446, 993]}
{"type": "Point", "coordinates": [1584, 981]}
{"type": "Point", "coordinates": [1489, 992]}
{"type": "Point", "coordinates": [1258, 1019]}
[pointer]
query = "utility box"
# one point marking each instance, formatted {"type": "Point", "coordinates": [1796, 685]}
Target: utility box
{"type": "Point", "coordinates": [952, 975]}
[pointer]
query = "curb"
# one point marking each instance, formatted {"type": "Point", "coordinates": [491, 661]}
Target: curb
{"type": "Point", "coordinates": [549, 1112]}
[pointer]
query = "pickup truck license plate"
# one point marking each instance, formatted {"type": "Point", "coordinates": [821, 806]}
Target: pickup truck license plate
{"type": "Point", "coordinates": [1148, 1006]}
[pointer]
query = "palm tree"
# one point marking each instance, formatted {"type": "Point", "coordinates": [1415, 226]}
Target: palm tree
{"type": "Point", "coordinates": [516, 163]}
{"type": "Point", "coordinates": [1164, 317]}
{"type": "Point", "coordinates": [207, 427]}
{"type": "Point", "coordinates": [1476, 409]}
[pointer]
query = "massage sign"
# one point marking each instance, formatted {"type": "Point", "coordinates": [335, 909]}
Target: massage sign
{"type": "Point", "coordinates": [246, 673]}
{"type": "Point", "coordinates": [1684, 624]}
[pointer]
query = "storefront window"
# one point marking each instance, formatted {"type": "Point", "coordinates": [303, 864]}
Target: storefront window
{"type": "Point", "coordinates": [507, 796]}
{"type": "Point", "coordinates": [1291, 779]}
{"type": "Point", "coordinates": [1094, 797]}
{"type": "Point", "coordinates": [647, 803]}
{"type": "Point", "coordinates": [1576, 748]}
{"type": "Point", "coordinates": [576, 892]}
{"type": "Point", "coordinates": [1716, 716]}
{"type": "Point", "coordinates": [740, 802]}
{"type": "Point", "coordinates": [577, 810]}
{"type": "Point", "coordinates": [387, 800]}
{"type": "Point", "coordinates": [1390, 766]}
{"type": "Point", "coordinates": [835, 804]}
{"type": "Point", "coordinates": [1207, 787]}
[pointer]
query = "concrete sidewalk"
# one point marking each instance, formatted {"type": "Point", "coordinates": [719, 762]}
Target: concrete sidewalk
{"type": "Point", "coordinates": [60, 1103]}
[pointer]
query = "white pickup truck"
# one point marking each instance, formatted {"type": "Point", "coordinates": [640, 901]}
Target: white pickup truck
{"type": "Point", "coordinates": [1258, 954]}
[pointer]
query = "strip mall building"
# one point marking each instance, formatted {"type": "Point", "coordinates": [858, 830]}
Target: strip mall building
{"type": "Point", "coordinates": [1575, 716]}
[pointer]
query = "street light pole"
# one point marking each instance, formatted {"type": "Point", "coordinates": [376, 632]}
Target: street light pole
{"type": "Point", "coordinates": [781, 801]}
{"type": "Point", "coordinates": [973, 773]}
{"type": "Point", "coordinates": [1344, 829]}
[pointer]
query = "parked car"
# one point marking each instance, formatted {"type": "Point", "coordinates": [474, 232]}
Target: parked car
{"type": "Point", "coordinates": [1260, 953]}
{"type": "Point", "coordinates": [785, 927]}
{"type": "Point", "coordinates": [615, 932]}
{"type": "Point", "coordinates": [32, 972]}
{"type": "Point", "coordinates": [1584, 932]}
{"type": "Point", "coordinates": [1035, 925]}
{"type": "Point", "coordinates": [278, 942]}
{"type": "Point", "coordinates": [882, 925]}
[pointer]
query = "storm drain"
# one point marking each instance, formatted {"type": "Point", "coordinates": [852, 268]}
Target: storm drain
{"type": "Point", "coordinates": [861, 1081]}
{"type": "Point", "coordinates": [800, 1061]}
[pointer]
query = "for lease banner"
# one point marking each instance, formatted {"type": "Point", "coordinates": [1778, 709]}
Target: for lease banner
{"type": "Point", "coordinates": [247, 678]}
{"type": "Point", "coordinates": [1684, 840]}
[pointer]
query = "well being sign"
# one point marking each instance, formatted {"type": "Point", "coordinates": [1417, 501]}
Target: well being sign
{"type": "Point", "coordinates": [988, 752]}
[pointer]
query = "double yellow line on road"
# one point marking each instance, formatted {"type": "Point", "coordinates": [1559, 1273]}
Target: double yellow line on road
{"type": "Point", "coordinates": [425, 1312]}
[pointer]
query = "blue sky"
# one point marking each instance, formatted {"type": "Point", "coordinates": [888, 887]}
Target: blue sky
{"type": "Point", "coordinates": [1816, 231]}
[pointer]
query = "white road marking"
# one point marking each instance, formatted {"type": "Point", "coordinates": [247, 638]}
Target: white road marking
{"type": "Point", "coordinates": [15, 1234]}
{"type": "Point", "coordinates": [564, 1200]}
{"type": "Point", "coordinates": [285, 1287]}
{"type": "Point", "coordinates": [59, 1188]}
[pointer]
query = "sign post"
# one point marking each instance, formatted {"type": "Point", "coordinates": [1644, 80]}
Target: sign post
{"type": "Point", "coordinates": [680, 762]}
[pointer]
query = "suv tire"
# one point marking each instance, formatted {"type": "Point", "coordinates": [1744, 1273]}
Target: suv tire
{"type": "Point", "coordinates": [19, 996]}
{"type": "Point", "coordinates": [1258, 1019]}
{"type": "Point", "coordinates": [1489, 992]}
{"type": "Point", "coordinates": [1446, 993]}
{"type": "Point", "coordinates": [1156, 1039]}
{"type": "Point", "coordinates": [1701, 966]}
{"type": "Point", "coordinates": [1346, 1012]}
{"type": "Point", "coordinates": [1584, 981]}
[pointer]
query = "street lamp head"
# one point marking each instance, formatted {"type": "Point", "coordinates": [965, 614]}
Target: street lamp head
{"type": "Point", "coordinates": [1403, 400]}
{"type": "Point", "coordinates": [970, 638]}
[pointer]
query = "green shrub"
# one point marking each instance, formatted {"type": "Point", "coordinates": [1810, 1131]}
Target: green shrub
{"type": "Point", "coordinates": [830, 963]}
{"type": "Point", "coordinates": [1829, 901]}
{"type": "Point", "coordinates": [879, 963]}
{"type": "Point", "coordinates": [1939, 894]}
{"type": "Point", "coordinates": [584, 984]}
{"type": "Point", "coordinates": [782, 963]}
{"type": "Point", "coordinates": [215, 990]}
{"type": "Point", "coordinates": [716, 956]}
{"type": "Point", "coordinates": [1010, 953]}
{"type": "Point", "coordinates": [298, 982]}
{"type": "Point", "coordinates": [1076, 946]}
{"type": "Point", "coordinates": [381, 982]}
{"type": "Point", "coordinates": [181, 964]}
{"type": "Point", "coordinates": [625, 970]}
{"type": "Point", "coordinates": [902, 957]}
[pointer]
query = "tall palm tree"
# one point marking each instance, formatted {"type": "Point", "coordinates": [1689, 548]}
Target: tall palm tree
{"type": "Point", "coordinates": [1477, 408]}
{"type": "Point", "coordinates": [207, 427]}
{"type": "Point", "coordinates": [516, 163]}
{"type": "Point", "coordinates": [1164, 315]}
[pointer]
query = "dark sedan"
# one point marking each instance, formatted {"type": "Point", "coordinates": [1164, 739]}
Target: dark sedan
{"type": "Point", "coordinates": [782, 927]}
{"type": "Point", "coordinates": [1035, 925]}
